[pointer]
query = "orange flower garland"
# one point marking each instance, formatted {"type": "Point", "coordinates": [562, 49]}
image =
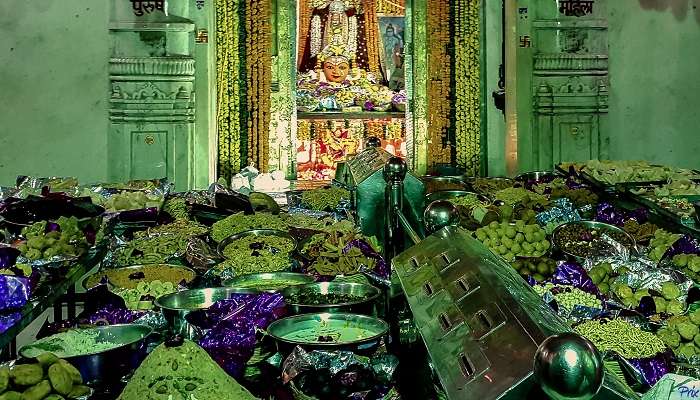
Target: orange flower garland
{"type": "Point", "coordinates": [372, 35]}
{"type": "Point", "coordinates": [439, 96]}
{"type": "Point", "coordinates": [304, 23]}
{"type": "Point", "coordinates": [259, 74]}
{"type": "Point", "coordinates": [391, 7]}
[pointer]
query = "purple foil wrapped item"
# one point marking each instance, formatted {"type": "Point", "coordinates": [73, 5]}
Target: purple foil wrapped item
{"type": "Point", "coordinates": [111, 315]}
{"type": "Point", "coordinates": [8, 320]}
{"type": "Point", "coordinates": [8, 257]}
{"type": "Point", "coordinates": [685, 245]}
{"type": "Point", "coordinates": [380, 267]}
{"type": "Point", "coordinates": [14, 292]}
{"type": "Point", "coordinates": [652, 369]}
{"type": "Point", "coordinates": [572, 274]}
{"type": "Point", "coordinates": [612, 215]}
{"type": "Point", "coordinates": [233, 324]}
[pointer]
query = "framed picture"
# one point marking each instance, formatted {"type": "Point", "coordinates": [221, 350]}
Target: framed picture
{"type": "Point", "coordinates": [391, 45]}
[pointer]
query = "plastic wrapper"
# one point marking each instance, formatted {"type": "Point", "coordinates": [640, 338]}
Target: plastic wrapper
{"type": "Point", "coordinates": [561, 212]}
{"type": "Point", "coordinates": [674, 387]}
{"type": "Point", "coordinates": [609, 214]}
{"type": "Point", "coordinates": [572, 274]}
{"type": "Point", "coordinates": [654, 278]}
{"type": "Point", "coordinates": [380, 268]}
{"type": "Point", "coordinates": [356, 377]}
{"type": "Point", "coordinates": [33, 185]}
{"type": "Point", "coordinates": [8, 320]}
{"type": "Point", "coordinates": [156, 190]}
{"type": "Point", "coordinates": [6, 192]}
{"type": "Point", "coordinates": [648, 371]}
{"type": "Point", "coordinates": [230, 327]}
{"type": "Point", "coordinates": [14, 292]}
{"type": "Point", "coordinates": [685, 245]}
{"type": "Point", "coordinates": [200, 255]}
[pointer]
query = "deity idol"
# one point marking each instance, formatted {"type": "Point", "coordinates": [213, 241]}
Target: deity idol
{"type": "Point", "coordinates": [339, 24]}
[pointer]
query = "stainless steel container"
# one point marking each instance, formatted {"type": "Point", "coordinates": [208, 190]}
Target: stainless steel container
{"type": "Point", "coordinates": [557, 239]}
{"type": "Point", "coordinates": [367, 298]}
{"type": "Point", "coordinates": [176, 306]}
{"type": "Point", "coordinates": [113, 364]}
{"type": "Point", "coordinates": [325, 330]}
{"type": "Point", "coordinates": [268, 282]}
{"type": "Point", "coordinates": [537, 176]}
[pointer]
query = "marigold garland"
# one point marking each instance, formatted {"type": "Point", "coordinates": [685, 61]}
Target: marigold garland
{"type": "Point", "coordinates": [259, 74]}
{"type": "Point", "coordinates": [391, 7]}
{"type": "Point", "coordinates": [372, 35]}
{"type": "Point", "coordinates": [439, 72]}
{"type": "Point", "coordinates": [229, 90]}
{"type": "Point", "coordinates": [467, 84]}
{"type": "Point", "coordinates": [305, 9]}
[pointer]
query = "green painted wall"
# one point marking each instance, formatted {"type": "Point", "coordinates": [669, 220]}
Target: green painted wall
{"type": "Point", "coordinates": [53, 88]}
{"type": "Point", "coordinates": [654, 85]}
{"type": "Point", "coordinates": [495, 121]}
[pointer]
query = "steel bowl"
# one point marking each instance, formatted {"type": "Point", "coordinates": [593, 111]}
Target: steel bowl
{"type": "Point", "coordinates": [505, 182]}
{"type": "Point", "coordinates": [537, 176]}
{"type": "Point", "coordinates": [92, 280]}
{"type": "Point", "coordinates": [254, 232]}
{"type": "Point", "coordinates": [286, 332]}
{"type": "Point", "coordinates": [24, 213]}
{"type": "Point", "coordinates": [266, 282]}
{"type": "Point", "coordinates": [451, 194]}
{"type": "Point", "coordinates": [558, 242]}
{"type": "Point", "coordinates": [365, 305]}
{"type": "Point", "coordinates": [433, 183]}
{"type": "Point", "coordinates": [113, 364]}
{"type": "Point", "coordinates": [176, 306]}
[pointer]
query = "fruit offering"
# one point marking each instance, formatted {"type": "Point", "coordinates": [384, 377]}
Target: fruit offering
{"type": "Point", "coordinates": [682, 334]}
{"type": "Point", "coordinates": [522, 196]}
{"type": "Point", "coordinates": [689, 264]}
{"type": "Point", "coordinates": [568, 297]}
{"type": "Point", "coordinates": [579, 197]}
{"type": "Point", "coordinates": [666, 303]}
{"type": "Point", "coordinates": [660, 243]}
{"type": "Point", "coordinates": [324, 199]}
{"type": "Point", "coordinates": [144, 293]}
{"type": "Point", "coordinates": [67, 240]}
{"type": "Point", "coordinates": [177, 208]}
{"type": "Point", "coordinates": [586, 241]}
{"type": "Point", "coordinates": [538, 268]}
{"type": "Point", "coordinates": [640, 232]}
{"type": "Point", "coordinates": [602, 274]}
{"type": "Point", "coordinates": [46, 377]}
{"type": "Point", "coordinates": [517, 239]}
{"type": "Point", "coordinates": [468, 201]}
{"type": "Point", "coordinates": [124, 201]}
{"type": "Point", "coordinates": [621, 337]}
{"type": "Point", "coordinates": [509, 213]}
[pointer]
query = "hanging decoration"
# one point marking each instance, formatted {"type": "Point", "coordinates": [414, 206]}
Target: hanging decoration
{"type": "Point", "coordinates": [258, 73]}
{"type": "Point", "coordinates": [439, 73]}
{"type": "Point", "coordinates": [304, 9]}
{"type": "Point", "coordinates": [392, 7]}
{"type": "Point", "coordinates": [230, 90]}
{"type": "Point", "coordinates": [467, 85]}
{"type": "Point", "coordinates": [371, 27]}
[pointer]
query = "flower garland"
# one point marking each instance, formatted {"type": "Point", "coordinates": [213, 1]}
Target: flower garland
{"type": "Point", "coordinates": [439, 61]}
{"type": "Point", "coordinates": [391, 7]}
{"type": "Point", "coordinates": [467, 84]}
{"type": "Point", "coordinates": [259, 74]}
{"type": "Point", "coordinates": [229, 90]}
{"type": "Point", "coordinates": [304, 21]}
{"type": "Point", "coordinates": [372, 36]}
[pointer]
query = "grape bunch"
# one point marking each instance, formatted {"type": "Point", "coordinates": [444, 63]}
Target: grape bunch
{"type": "Point", "coordinates": [517, 239]}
